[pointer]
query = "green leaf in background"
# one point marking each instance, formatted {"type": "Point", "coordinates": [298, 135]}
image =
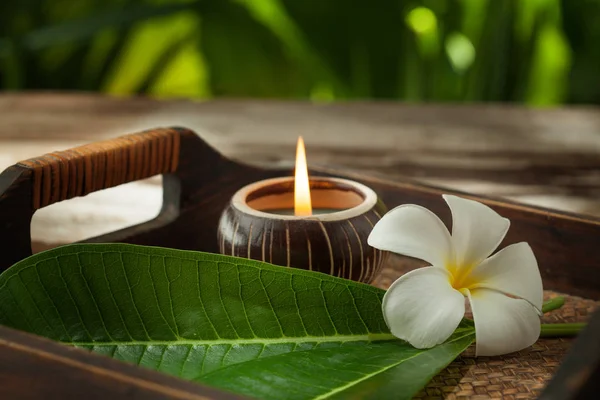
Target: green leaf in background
{"type": "Point", "coordinates": [237, 324]}
{"type": "Point", "coordinates": [245, 58]}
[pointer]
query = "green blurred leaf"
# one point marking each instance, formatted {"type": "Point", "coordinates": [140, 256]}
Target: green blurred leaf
{"type": "Point", "coordinates": [324, 83]}
{"type": "Point", "coordinates": [105, 51]}
{"type": "Point", "coordinates": [582, 30]}
{"type": "Point", "coordinates": [164, 60]}
{"type": "Point", "coordinates": [552, 61]}
{"type": "Point", "coordinates": [238, 324]}
{"type": "Point", "coordinates": [363, 43]}
{"type": "Point", "coordinates": [487, 80]}
{"type": "Point", "coordinates": [85, 28]}
{"type": "Point", "coordinates": [150, 50]}
{"type": "Point", "coordinates": [244, 57]}
{"type": "Point", "coordinates": [460, 51]}
{"type": "Point", "coordinates": [57, 55]}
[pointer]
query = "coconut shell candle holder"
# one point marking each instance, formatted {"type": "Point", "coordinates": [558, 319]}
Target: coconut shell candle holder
{"type": "Point", "coordinates": [259, 224]}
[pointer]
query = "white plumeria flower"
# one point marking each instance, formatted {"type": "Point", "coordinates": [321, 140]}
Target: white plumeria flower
{"type": "Point", "coordinates": [425, 306]}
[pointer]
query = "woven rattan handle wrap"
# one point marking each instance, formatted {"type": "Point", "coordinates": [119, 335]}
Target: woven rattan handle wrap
{"type": "Point", "coordinates": [76, 172]}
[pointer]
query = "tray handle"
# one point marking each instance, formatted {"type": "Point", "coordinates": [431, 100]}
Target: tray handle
{"type": "Point", "coordinates": [179, 154]}
{"type": "Point", "coordinates": [82, 170]}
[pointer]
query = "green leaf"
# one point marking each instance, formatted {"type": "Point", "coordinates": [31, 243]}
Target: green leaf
{"type": "Point", "coordinates": [364, 44]}
{"type": "Point", "coordinates": [238, 324]}
{"type": "Point", "coordinates": [85, 28]}
{"type": "Point", "coordinates": [245, 58]}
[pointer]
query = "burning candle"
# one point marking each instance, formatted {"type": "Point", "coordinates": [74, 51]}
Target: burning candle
{"type": "Point", "coordinates": [302, 201]}
{"type": "Point", "coordinates": [319, 224]}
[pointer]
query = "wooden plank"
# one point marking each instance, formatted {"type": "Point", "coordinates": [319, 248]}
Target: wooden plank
{"type": "Point", "coordinates": [548, 158]}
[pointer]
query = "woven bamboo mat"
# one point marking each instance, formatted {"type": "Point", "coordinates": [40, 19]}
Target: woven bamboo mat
{"type": "Point", "coordinates": [521, 375]}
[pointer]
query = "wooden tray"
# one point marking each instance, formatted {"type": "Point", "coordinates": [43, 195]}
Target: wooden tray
{"type": "Point", "coordinates": [198, 182]}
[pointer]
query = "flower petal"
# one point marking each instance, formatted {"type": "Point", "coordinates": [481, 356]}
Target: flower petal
{"type": "Point", "coordinates": [422, 308]}
{"type": "Point", "coordinates": [413, 231]}
{"type": "Point", "coordinates": [477, 230]}
{"type": "Point", "coordinates": [502, 324]}
{"type": "Point", "coordinates": [514, 271]}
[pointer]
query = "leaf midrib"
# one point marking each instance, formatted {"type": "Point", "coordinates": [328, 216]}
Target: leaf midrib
{"type": "Point", "coordinates": [379, 371]}
{"type": "Point", "coordinates": [373, 337]}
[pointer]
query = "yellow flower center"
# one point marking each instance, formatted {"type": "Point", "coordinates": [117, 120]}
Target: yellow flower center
{"type": "Point", "coordinates": [460, 277]}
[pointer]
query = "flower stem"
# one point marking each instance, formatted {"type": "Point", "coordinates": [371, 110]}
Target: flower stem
{"type": "Point", "coordinates": [561, 330]}
{"type": "Point", "coordinates": [553, 304]}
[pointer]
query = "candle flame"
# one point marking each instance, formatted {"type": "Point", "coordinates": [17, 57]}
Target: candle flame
{"type": "Point", "coordinates": [302, 203]}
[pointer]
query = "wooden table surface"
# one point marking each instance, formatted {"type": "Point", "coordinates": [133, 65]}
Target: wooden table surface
{"type": "Point", "coordinates": [549, 158]}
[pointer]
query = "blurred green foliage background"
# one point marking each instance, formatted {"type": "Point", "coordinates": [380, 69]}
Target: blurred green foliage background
{"type": "Point", "coordinates": [536, 52]}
